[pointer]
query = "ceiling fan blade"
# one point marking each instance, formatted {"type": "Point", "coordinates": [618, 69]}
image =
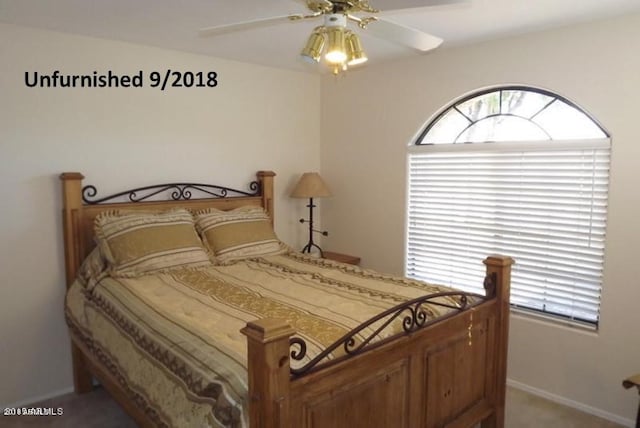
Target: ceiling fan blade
{"type": "Point", "coordinates": [390, 5]}
{"type": "Point", "coordinates": [402, 35]}
{"type": "Point", "coordinates": [247, 25]}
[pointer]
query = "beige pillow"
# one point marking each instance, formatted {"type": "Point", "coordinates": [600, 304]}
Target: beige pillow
{"type": "Point", "coordinates": [92, 269]}
{"type": "Point", "coordinates": [139, 243]}
{"type": "Point", "coordinates": [238, 234]}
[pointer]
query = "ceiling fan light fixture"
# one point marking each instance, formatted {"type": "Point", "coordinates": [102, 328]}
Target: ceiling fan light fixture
{"type": "Point", "coordinates": [355, 53]}
{"type": "Point", "coordinates": [312, 51]}
{"type": "Point", "coordinates": [336, 46]}
{"type": "Point", "coordinates": [333, 43]}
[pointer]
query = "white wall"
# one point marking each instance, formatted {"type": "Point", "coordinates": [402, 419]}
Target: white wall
{"type": "Point", "coordinates": [257, 118]}
{"type": "Point", "coordinates": [376, 112]}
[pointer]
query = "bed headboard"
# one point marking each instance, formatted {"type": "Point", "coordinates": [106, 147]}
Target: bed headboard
{"type": "Point", "coordinates": [81, 206]}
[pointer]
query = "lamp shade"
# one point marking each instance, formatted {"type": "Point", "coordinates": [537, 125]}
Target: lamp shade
{"type": "Point", "coordinates": [355, 52]}
{"type": "Point", "coordinates": [313, 49]}
{"type": "Point", "coordinates": [336, 46]}
{"type": "Point", "coordinates": [310, 185]}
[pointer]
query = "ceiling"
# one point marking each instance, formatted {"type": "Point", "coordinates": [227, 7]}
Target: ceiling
{"type": "Point", "coordinates": [174, 24]}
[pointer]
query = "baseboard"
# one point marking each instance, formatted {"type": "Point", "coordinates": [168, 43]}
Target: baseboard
{"type": "Point", "coordinates": [570, 403]}
{"type": "Point", "coordinates": [33, 400]}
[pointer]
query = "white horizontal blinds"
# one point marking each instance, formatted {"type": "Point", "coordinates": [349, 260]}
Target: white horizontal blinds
{"type": "Point", "coordinates": [545, 208]}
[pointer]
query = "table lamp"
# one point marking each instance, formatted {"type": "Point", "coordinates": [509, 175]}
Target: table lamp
{"type": "Point", "coordinates": [311, 186]}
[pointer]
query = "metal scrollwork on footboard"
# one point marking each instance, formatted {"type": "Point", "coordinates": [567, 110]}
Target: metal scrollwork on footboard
{"type": "Point", "coordinates": [413, 313]}
{"type": "Point", "coordinates": [172, 191]}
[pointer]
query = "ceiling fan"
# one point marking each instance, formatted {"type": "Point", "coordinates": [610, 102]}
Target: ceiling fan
{"type": "Point", "coordinates": [341, 46]}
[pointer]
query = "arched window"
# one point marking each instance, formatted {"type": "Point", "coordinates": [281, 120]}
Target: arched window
{"type": "Point", "coordinates": [518, 171]}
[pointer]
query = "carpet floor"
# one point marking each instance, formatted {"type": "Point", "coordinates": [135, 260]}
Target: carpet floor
{"type": "Point", "coordinates": [98, 410]}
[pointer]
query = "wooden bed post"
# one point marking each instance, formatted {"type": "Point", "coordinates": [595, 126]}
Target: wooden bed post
{"type": "Point", "coordinates": [73, 244]}
{"type": "Point", "coordinates": [499, 269]}
{"type": "Point", "coordinates": [268, 369]}
{"type": "Point", "coordinates": [71, 213]}
{"type": "Point", "coordinates": [266, 182]}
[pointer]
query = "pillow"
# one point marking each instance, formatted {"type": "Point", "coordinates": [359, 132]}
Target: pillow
{"type": "Point", "coordinates": [92, 269]}
{"type": "Point", "coordinates": [238, 234]}
{"type": "Point", "coordinates": [139, 243]}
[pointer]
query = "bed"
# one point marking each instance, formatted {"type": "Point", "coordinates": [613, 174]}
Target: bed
{"type": "Point", "coordinates": [400, 367]}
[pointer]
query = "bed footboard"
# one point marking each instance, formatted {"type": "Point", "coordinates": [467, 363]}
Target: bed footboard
{"type": "Point", "coordinates": [449, 373]}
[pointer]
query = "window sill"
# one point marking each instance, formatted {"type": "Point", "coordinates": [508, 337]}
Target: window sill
{"type": "Point", "coordinates": [552, 321]}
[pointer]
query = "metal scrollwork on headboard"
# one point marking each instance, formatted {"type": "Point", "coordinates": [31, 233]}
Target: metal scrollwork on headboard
{"type": "Point", "coordinates": [174, 191]}
{"type": "Point", "coordinates": [414, 316]}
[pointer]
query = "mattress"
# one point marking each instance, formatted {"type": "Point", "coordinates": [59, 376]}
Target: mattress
{"type": "Point", "coordinates": [173, 340]}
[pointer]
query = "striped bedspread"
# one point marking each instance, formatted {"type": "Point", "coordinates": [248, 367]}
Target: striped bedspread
{"type": "Point", "coordinates": [173, 340]}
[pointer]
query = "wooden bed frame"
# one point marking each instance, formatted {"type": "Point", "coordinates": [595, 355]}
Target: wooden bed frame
{"type": "Point", "coordinates": [447, 373]}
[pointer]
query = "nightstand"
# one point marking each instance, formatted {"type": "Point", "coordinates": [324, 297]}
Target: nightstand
{"type": "Point", "coordinates": [344, 258]}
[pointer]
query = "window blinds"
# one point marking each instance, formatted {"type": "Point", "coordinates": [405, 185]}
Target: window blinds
{"type": "Point", "coordinates": [544, 207]}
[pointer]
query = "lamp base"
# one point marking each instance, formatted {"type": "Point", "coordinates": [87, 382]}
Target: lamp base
{"type": "Point", "coordinates": [307, 248]}
{"type": "Point", "coordinates": [310, 245]}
